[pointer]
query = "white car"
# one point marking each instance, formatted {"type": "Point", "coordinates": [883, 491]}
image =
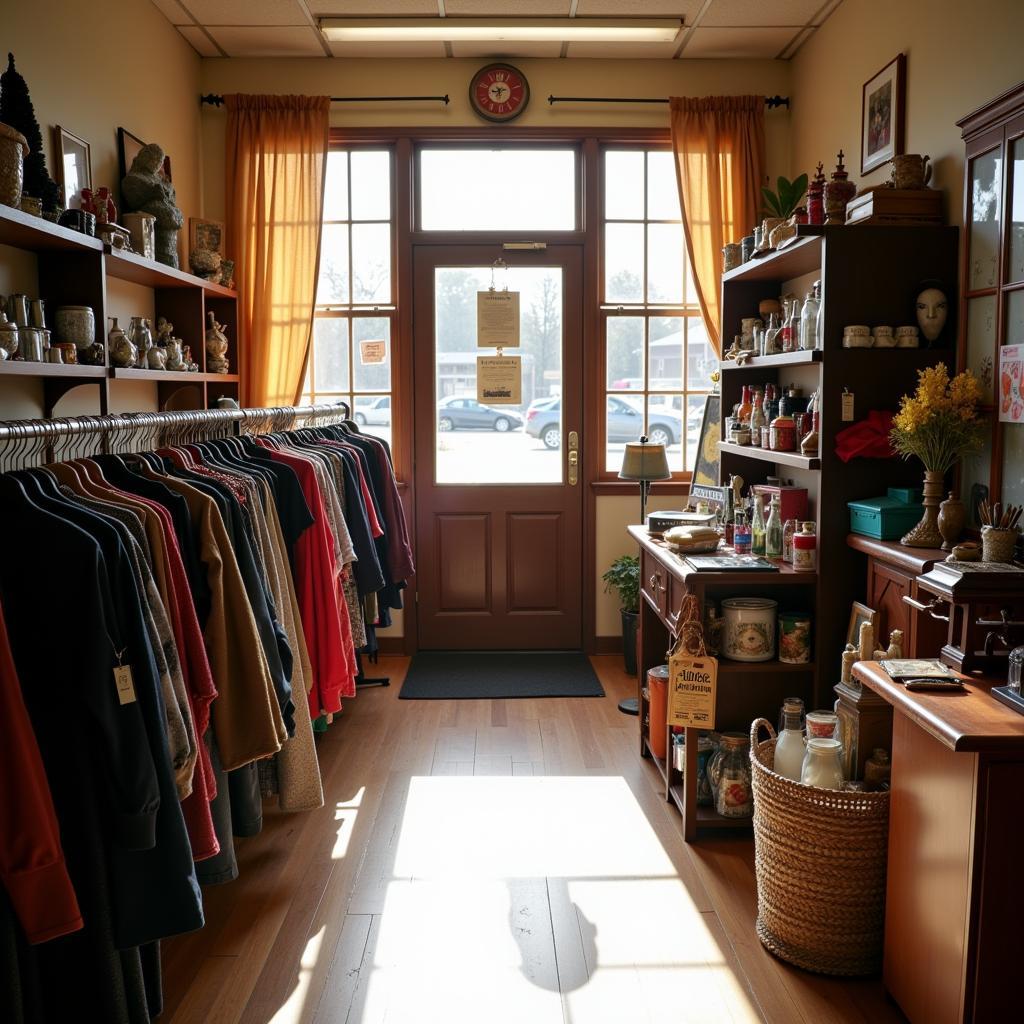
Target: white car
{"type": "Point", "coordinates": [376, 413]}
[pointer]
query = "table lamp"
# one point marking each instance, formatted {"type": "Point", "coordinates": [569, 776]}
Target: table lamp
{"type": "Point", "coordinates": [644, 462]}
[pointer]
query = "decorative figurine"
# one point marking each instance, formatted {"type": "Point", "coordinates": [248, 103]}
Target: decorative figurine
{"type": "Point", "coordinates": [227, 273]}
{"type": "Point", "coordinates": [895, 649]}
{"type": "Point", "coordinates": [838, 192]}
{"type": "Point", "coordinates": [216, 346]}
{"type": "Point", "coordinates": [99, 203]}
{"type": "Point", "coordinates": [157, 358]}
{"type": "Point", "coordinates": [205, 263]}
{"type": "Point", "coordinates": [146, 190]}
{"type": "Point", "coordinates": [867, 641]}
{"type": "Point", "coordinates": [932, 309]}
{"type": "Point", "coordinates": [186, 357]}
{"type": "Point", "coordinates": [816, 198]}
{"type": "Point", "coordinates": [142, 338]}
{"type": "Point", "coordinates": [849, 657]}
{"type": "Point", "coordinates": [122, 352]}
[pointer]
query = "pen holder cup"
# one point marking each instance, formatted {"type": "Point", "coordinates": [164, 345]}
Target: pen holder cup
{"type": "Point", "coordinates": [997, 544]}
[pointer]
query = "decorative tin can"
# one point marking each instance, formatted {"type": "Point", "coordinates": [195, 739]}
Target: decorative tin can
{"type": "Point", "coordinates": [805, 546]}
{"type": "Point", "coordinates": [732, 256]}
{"type": "Point", "coordinates": [748, 630]}
{"type": "Point", "coordinates": [783, 434]}
{"type": "Point", "coordinates": [794, 638]}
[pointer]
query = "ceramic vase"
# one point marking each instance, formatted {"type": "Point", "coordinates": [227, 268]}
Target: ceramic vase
{"type": "Point", "coordinates": [926, 533]}
{"type": "Point", "coordinates": [839, 190]}
{"type": "Point", "coordinates": [13, 150]}
{"type": "Point", "coordinates": [952, 519]}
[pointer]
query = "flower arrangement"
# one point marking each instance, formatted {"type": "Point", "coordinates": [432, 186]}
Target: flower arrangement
{"type": "Point", "coordinates": [939, 423]}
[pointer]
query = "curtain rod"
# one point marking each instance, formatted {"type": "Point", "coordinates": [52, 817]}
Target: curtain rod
{"type": "Point", "coordinates": [216, 101]}
{"type": "Point", "coordinates": [769, 101]}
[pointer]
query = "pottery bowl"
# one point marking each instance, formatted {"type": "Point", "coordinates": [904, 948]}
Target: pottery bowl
{"type": "Point", "coordinates": [858, 341]}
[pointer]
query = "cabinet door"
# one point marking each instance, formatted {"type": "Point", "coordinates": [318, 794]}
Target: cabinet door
{"type": "Point", "coordinates": [886, 589]}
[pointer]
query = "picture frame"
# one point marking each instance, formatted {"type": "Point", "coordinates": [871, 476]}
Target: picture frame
{"type": "Point", "coordinates": [205, 234]}
{"type": "Point", "coordinates": [882, 116]}
{"type": "Point", "coordinates": [859, 614]}
{"type": "Point", "coordinates": [707, 463]}
{"type": "Point", "coordinates": [74, 166]}
{"type": "Point", "coordinates": [128, 147]}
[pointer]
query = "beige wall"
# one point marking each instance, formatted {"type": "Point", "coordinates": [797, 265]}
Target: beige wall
{"type": "Point", "coordinates": [959, 55]}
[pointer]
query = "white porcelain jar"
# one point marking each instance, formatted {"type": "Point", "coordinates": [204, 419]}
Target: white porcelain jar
{"type": "Point", "coordinates": [748, 628]}
{"type": "Point", "coordinates": [823, 765]}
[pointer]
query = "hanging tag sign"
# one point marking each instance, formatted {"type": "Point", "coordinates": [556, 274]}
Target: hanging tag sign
{"type": "Point", "coordinates": [847, 406]}
{"type": "Point", "coordinates": [372, 352]}
{"type": "Point", "coordinates": [124, 684]}
{"type": "Point", "coordinates": [499, 380]}
{"type": "Point", "coordinates": [497, 319]}
{"type": "Point", "coordinates": [693, 684]}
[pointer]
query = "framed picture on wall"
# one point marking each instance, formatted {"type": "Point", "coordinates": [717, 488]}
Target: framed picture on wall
{"type": "Point", "coordinates": [74, 167]}
{"type": "Point", "coordinates": [205, 234]}
{"type": "Point", "coordinates": [706, 462]}
{"type": "Point", "coordinates": [883, 99]}
{"type": "Point", "coordinates": [128, 147]}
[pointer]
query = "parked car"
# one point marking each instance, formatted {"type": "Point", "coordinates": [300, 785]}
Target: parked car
{"type": "Point", "coordinates": [376, 413]}
{"type": "Point", "coordinates": [454, 413]}
{"type": "Point", "coordinates": [625, 423]}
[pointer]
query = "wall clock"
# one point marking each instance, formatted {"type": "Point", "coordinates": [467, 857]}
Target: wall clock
{"type": "Point", "coordinates": [499, 92]}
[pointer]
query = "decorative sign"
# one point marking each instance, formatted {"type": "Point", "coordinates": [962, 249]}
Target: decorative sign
{"type": "Point", "coordinates": [847, 406]}
{"type": "Point", "coordinates": [693, 683]}
{"type": "Point", "coordinates": [499, 380]}
{"type": "Point", "coordinates": [1011, 384]}
{"type": "Point", "coordinates": [497, 319]}
{"type": "Point", "coordinates": [371, 352]}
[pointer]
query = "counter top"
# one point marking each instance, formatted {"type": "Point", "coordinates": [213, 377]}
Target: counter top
{"type": "Point", "coordinates": [912, 560]}
{"type": "Point", "coordinates": [971, 721]}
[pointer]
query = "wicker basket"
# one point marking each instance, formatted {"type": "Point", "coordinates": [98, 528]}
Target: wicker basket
{"type": "Point", "coordinates": [820, 858]}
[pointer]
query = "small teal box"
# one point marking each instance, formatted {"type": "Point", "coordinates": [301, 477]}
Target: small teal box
{"type": "Point", "coordinates": [910, 495]}
{"type": "Point", "coordinates": [885, 518]}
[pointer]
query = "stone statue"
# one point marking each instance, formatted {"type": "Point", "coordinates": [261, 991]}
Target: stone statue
{"type": "Point", "coordinates": [849, 657]}
{"type": "Point", "coordinates": [216, 346]}
{"type": "Point", "coordinates": [895, 650]}
{"type": "Point", "coordinates": [146, 190]}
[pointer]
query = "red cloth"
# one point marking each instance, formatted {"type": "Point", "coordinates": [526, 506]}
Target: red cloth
{"type": "Point", "coordinates": [31, 858]}
{"type": "Point", "coordinates": [868, 439]}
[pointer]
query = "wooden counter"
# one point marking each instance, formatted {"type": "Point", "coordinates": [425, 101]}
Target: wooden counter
{"type": "Point", "coordinates": [954, 904]}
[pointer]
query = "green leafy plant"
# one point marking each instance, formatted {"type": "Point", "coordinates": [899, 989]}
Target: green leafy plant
{"type": "Point", "coordinates": [623, 576]}
{"type": "Point", "coordinates": [784, 202]}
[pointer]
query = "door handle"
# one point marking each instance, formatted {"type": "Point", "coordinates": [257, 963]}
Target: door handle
{"type": "Point", "coordinates": [574, 458]}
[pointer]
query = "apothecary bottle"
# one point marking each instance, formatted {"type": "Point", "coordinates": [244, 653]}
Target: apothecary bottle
{"type": "Point", "coordinates": [729, 771]}
{"type": "Point", "coordinates": [789, 747]}
{"type": "Point", "coordinates": [746, 404]}
{"type": "Point", "coordinates": [789, 332]}
{"type": "Point", "coordinates": [773, 530]}
{"type": "Point", "coordinates": [791, 527]}
{"type": "Point", "coordinates": [741, 538]}
{"type": "Point", "coordinates": [757, 527]}
{"type": "Point", "coordinates": [809, 318]}
{"type": "Point", "coordinates": [757, 420]}
{"type": "Point", "coordinates": [771, 335]}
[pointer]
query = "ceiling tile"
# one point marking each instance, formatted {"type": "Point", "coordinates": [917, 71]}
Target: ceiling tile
{"type": "Point", "coordinates": [654, 51]}
{"type": "Point", "coordinates": [427, 49]}
{"type": "Point", "coordinates": [728, 43]}
{"type": "Point", "coordinates": [268, 41]}
{"type": "Point", "coordinates": [506, 48]}
{"type": "Point", "coordinates": [173, 12]}
{"type": "Point", "coordinates": [733, 13]}
{"type": "Point", "coordinates": [199, 40]}
{"type": "Point", "coordinates": [685, 9]}
{"type": "Point", "coordinates": [500, 9]}
{"type": "Point", "coordinates": [372, 8]}
{"type": "Point", "coordinates": [246, 12]}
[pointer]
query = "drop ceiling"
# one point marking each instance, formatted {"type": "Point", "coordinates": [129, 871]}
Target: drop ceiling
{"type": "Point", "coordinates": [711, 29]}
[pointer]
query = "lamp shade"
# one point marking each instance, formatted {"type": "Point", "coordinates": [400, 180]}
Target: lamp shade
{"type": "Point", "coordinates": [643, 461]}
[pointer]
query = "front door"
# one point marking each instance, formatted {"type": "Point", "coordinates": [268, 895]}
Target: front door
{"type": "Point", "coordinates": [498, 497]}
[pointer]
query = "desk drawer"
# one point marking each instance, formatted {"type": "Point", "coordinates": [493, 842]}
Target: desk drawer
{"type": "Point", "coordinates": [654, 581]}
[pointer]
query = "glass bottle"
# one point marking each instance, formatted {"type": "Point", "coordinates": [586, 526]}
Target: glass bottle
{"type": "Point", "coordinates": [791, 704]}
{"type": "Point", "coordinates": [789, 748]}
{"type": "Point", "coordinates": [805, 546]}
{"type": "Point", "coordinates": [787, 539]}
{"type": "Point", "coordinates": [822, 766]}
{"type": "Point", "coordinates": [771, 345]}
{"type": "Point", "coordinates": [809, 318]}
{"type": "Point", "coordinates": [773, 529]}
{"type": "Point", "coordinates": [729, 772]}
{"type": "Point", "coordinates": [877, 769]}
{"type": "Point", "coordinates": [757, 529]}
{"type": "Point", "coordinates": [819, 327]}
{"type": "Point", "coordinates": [746, 405]}
{"type": "Point", "coordinates": [789, 332]}
{"type": "Point", "coordinates": [741, 536]}
{"type": "Point", "coordinates": [769, 397]}
{"type": "Point", "coordinates": [757, 420]}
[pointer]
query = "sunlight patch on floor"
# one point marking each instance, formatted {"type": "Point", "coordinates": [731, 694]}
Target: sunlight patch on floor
{"type": "Point", "coordinates": [293, 1008]}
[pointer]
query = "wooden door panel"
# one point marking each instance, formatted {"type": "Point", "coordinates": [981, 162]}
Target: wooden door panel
{"type": "Point", "coordinates": [535, 540]}
{"type": "Point", "coordinates": [462, 547]}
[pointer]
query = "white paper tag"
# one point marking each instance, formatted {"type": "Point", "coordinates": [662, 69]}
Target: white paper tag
{"type": "Point", "coordinates": [125, 684]}
{"type": "Point", "coordinates": [847, 406]}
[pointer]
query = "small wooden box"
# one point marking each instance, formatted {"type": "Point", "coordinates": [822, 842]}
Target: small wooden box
{"type": "Point", "coordinates": [896, 206]}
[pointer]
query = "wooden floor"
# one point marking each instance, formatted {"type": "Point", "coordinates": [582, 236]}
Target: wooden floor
{"type": "Point", "coordinates": [491, 861]}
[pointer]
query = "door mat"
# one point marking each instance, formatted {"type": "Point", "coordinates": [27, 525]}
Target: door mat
{"type": "Point", "coordinates": [489, 675]}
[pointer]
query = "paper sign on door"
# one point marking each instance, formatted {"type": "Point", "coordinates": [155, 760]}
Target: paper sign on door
{"type": "Point", "coordinates": [499, 380]}
{"type": "Point", "coordinates": [371, 352]}
{"type": "Point", "coordinates": [693, 683]}
{"type": "Point", "coordinates": [497, 319]}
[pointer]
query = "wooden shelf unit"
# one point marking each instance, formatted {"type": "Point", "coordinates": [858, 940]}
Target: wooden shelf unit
{"type": "Point", "coordinates": [869, 275]}
{"type": "Point", "coordinates": [73, 269]}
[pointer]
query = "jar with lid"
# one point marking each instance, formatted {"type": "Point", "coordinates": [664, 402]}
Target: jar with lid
{"type": "Point", "coordinates": [729, 774]}
{"type": "Point", "coordinates": [822, 765]}
{"type": "Point", "coordinates": [783, 434]}
{"type": "Point", "coordinates": [805, 545]}
{"type": "Point", "coordinates": [877, 769]}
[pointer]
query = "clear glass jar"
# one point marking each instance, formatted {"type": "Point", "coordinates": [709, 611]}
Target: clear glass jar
{"type": "Point", "coordinates": [1016, 672]}
{"type": "Point", "coordinates": [823, 766]}
{"type": "Point", "coordinates": [729, 772]}
{"type": "Point", "coordinates": [809, 319]}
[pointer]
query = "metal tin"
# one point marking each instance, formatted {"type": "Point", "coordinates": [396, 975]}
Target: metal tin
{"type": "Point", "coordinates": [794, 638]}
{"type": "Point", "coordinates": [748, 631]}
{"type": "Point", "coordinates": [783, 434]}
{"type": "Point", "coordinates": [30, 344]}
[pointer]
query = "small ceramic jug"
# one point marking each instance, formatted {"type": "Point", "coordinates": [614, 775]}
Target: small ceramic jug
{"type": "Point", "coordinates": [122, 352]}
{"type": "Point", "coordinates": [911, 170]}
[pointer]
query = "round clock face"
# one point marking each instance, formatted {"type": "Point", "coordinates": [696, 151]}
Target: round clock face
{"type": "Point", "coordinates": [499, 92]}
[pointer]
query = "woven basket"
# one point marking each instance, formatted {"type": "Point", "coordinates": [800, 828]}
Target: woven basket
{"type": "Point", "coordinates": [820, 858]}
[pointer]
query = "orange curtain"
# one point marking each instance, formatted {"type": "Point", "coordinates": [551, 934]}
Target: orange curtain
{"type": "Point", "coordinates": [718, 143]}
{"type": "Point", "coordinates": [275, 164]}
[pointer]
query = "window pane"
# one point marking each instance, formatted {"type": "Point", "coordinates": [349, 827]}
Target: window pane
{"type": "Point", "coordinates": [701, 361]}
{"type": "Point", "coordinates": [624, 185]}
{"type": "Point", "coordinates": [1015, 264]}
{"type": "Point", "coordinates": [665, 426]}
{"type": "Point", "coordinates": [371, 185]}
{"type": "Point", "coordinates": [374, 415]}
{"type": "Point", "coordinates": [694, 419]}
{"type": "Point", "coordinates": [336, 187]}
{"type": "Point", "coordinates": [624, 419]}
{"type": "Point", "coordinates": [662, 190]}
{"type": "Point", "coordinates": [1014, 318]}
{"type": "Point", "coordinates": [330, 353]}
{"type": "Point", "coordinates": [625, 359]}
{"type": "Point", "coordinates": [371, 376]}
{"type": "Point", "coordinates": [665, 353]}
{"type": "Point", "coordinates": [468, 189]}
{"type": "Point", "coordinates": [371, 263]}
{"type": "Point", "coordinates": [623, 262]}
{"type": "Point", "coordinates": [664, 263]}
{"type": "Point", "coordinates": [333, 285]}
{"type": "Point", "coordinates": [974, 481]}
{"type": "Point", "coordinates": [986, 176]}
{"type": "Point", "coordinates": [981, 343]}
{"type": "Point", "coordinates": [1013, 464]}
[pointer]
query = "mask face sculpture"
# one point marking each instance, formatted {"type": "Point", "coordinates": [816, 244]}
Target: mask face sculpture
{"type": "Point", "coordinates": [146, 190]}
{"type": "Point", "coordinates": [932, 308]}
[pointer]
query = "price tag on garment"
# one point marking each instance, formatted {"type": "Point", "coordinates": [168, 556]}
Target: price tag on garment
{"type": "Point", "coordinates": [125, 684]}
{"type": "Point", "coordinates": [372, 352]}
{"type": "Point", "coordinates": [497, 319]}
{"type": "Point", "coordinates": [692, 686]}
{"type": "Point", "coordinates": [847, 406]}
{"type": "Point", "coordinates": [499, 380]}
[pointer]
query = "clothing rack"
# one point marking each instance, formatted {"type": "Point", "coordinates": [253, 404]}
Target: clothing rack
{"type": "Point", "coordinates": [771, 102]}
{"type": "Point", "coordinates": [217, 101]}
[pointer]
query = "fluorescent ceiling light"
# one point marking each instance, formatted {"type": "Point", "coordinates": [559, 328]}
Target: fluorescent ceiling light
{"type": "Point", "coordinates": [600, 30]}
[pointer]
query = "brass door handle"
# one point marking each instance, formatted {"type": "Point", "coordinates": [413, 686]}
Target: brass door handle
{"type": "Point", "coordinates": [574, 468]}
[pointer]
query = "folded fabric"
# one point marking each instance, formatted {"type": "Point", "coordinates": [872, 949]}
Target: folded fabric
{"type": "Point", "coordinates": [868, 439]}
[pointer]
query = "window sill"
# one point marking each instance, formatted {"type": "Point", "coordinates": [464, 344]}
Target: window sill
{"type": "Point", "coordinates": [624, 488]}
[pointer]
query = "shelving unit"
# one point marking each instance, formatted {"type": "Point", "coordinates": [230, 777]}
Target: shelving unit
{"type": "Point", "coordinates": [73, 269]}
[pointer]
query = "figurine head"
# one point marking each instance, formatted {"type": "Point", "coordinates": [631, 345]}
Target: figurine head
{"type": "Point", "coordinates": [148, 160]}
{"type": "Point", "coordinates": [932, 308]}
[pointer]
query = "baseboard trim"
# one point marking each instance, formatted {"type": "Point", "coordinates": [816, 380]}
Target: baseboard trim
{"type": "Point", "coordinates": [608, 645]}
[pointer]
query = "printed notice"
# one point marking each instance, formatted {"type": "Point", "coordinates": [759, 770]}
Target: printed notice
{"type": "Point", "coordinates": [371, 352]}
{"type": "Point", "coordinates": [499, 380]}
{"type": "Point", "coordinates": [693, 683]}
{"type": "Point", "coordinates": [497, 319]}
{"type": "Point", "coordinates": [1011, 384]}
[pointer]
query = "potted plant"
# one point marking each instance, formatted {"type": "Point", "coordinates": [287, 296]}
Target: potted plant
{"type": "Point", "coordinates": [623, 576]}
{"type": "Point", "coordinates": [783, 203]}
